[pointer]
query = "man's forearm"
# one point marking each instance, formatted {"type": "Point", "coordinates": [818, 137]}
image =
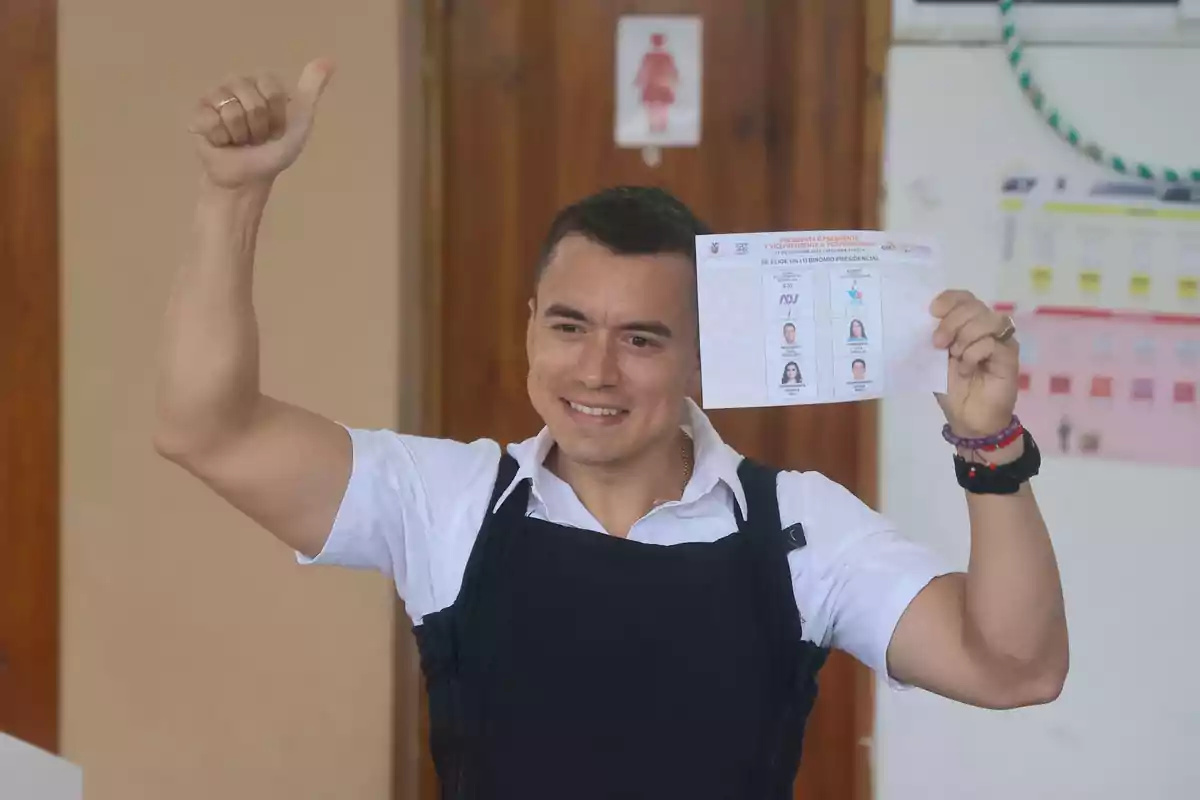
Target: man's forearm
{"type": "Point", "coordinates": [1014, 601]}
{"type": "Point", "coordinates": [209, 374]}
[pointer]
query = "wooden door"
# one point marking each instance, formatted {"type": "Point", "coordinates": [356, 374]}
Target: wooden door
{"type": "Point", "coordinates": [29, 365]}
{"type": "Point", "coordinates": [520, 102]}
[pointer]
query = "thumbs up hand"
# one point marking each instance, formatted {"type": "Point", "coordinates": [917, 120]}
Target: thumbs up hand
{"type": "Point", "coordinates": [250, 128]}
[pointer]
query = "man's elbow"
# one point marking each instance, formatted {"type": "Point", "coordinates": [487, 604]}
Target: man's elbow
{"type": "Point", "coordinates": [167, 445]}
{"type": "Point", "coordinates": [1046, 689]}
{"type": "Point", "coordinates": [190, 445]}
{"type": "Point", "coordinates": [177, 447]}
{"type": "Point", "coordinates": [1037, 685]}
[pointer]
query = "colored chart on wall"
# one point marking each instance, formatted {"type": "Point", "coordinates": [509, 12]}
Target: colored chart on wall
{"type": "Point", "coordinates": [1102, 278]}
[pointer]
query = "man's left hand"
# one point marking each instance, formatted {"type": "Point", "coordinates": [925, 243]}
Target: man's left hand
{"type": "Point", "coordinates": [981, 391]}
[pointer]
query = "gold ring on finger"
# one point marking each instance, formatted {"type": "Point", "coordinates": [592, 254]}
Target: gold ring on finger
{"type": "Point", "coordinates": [1008, 331]}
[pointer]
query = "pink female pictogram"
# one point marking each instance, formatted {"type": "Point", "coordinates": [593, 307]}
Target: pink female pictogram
{"type": "Point", "coordinates": [657, 78]}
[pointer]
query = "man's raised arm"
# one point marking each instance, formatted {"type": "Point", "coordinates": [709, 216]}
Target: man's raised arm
{"type": "Point", "coordinates": [282, 466]}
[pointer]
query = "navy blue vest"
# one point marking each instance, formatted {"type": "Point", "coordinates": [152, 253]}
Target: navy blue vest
{"type": "Point", "coordinates": [574, 664]}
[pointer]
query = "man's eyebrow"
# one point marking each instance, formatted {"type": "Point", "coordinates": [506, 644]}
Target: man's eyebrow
{"type": "Point", "coordinates": [566, 312]}
{"type": "Point", "coordinates": [656, 328]}
{"type": "Point", "coordinates": [652, 327]}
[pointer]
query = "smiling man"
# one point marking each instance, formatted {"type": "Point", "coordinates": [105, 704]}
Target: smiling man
{"type": "Point", "coordinates": [622, 605]}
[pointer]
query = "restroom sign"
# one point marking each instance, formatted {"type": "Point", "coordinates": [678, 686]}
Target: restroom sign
{"type": "Point", "coordinates": [659, 81]}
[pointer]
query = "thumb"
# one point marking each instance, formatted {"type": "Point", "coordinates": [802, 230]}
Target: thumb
{"type": "Point", "coordinates": [313, 80]}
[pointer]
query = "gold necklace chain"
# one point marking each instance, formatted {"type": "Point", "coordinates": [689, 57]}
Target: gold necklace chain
{"type": "Point", "coordinates": [686, 452]}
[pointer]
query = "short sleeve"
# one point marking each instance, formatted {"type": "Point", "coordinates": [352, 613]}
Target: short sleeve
{"type": "Point", "coordinates": [409, 500]}
{"type": "Point", "coordinates": [857, 574]}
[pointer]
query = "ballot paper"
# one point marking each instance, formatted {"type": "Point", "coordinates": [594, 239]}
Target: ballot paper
{"type": "Point", "coordinates": [793, 318]}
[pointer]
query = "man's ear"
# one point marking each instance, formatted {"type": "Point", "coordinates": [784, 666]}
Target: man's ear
{"type": "Point", "coordinates": [529, 325]}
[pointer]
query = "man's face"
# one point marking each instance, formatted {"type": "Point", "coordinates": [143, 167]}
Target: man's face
{"type": "Point", "coordinates": [612, 350]}
{"type": "Point", "coordinates": [859, 369]}
{"type": "Point", "coordinates": [789, 334]}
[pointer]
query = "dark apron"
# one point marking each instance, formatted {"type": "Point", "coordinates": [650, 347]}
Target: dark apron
{"type": "Point", "coordinates": [576, 665]}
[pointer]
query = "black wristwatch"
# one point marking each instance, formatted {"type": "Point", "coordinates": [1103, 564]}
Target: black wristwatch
{"type": "Point", "coordinates": [979, 478]}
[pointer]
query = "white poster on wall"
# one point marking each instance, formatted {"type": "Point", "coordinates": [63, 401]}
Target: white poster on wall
{"type": "Point", "coordinates": [658, 73]}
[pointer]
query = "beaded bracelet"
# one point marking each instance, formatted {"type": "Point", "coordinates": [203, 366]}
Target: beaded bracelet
{"type": "Point", "coordinates": [987, 443]}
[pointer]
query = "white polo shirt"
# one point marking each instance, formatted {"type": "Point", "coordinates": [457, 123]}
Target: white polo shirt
{"type": "Point", "coordinates": [414, 505]}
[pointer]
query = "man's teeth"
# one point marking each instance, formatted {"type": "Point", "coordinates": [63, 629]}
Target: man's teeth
{"type": "Point", "coordinates": [596, 412]}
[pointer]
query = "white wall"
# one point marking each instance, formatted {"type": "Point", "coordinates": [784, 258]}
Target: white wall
{"type": "Point", "coordinates": [1127, 536]}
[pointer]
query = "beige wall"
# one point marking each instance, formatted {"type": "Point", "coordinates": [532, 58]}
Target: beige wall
{"type": "Point", "coordinates": [199, 660]}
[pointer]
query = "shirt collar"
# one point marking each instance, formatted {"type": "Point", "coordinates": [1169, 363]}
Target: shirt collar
{"type": "Point", "coordinates": [715, 461]}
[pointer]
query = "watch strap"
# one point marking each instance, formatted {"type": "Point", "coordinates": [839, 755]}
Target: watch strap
{"type": "Point", "coordinates": [983, 478]}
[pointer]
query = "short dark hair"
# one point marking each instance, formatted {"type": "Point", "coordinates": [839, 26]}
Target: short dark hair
{"type": "Point", "coordinates": [628, 220]}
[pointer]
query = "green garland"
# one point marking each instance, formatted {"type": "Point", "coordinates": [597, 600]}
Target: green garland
{"type": "Point", "coordinates": [1054, 117]}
